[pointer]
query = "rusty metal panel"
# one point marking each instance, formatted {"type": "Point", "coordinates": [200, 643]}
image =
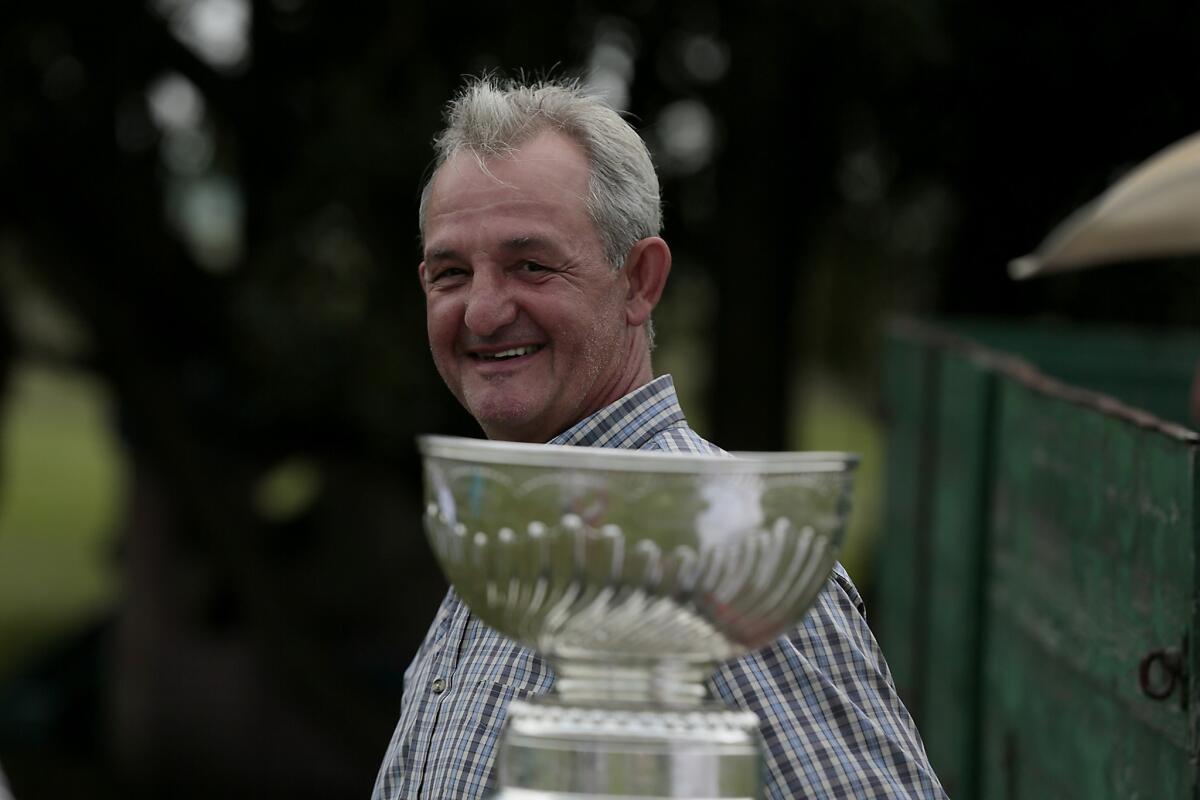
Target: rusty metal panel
{"type": "Point", "coordinates": [1091, 572]}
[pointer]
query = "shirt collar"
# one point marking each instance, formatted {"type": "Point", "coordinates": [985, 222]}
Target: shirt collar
{"type": "Point", "coordinates": [630, 422]}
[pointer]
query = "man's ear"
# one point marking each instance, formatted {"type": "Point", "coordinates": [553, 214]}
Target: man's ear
{"type": "Point", "coordinates": [646, 269]}
{"type": "Point", "coordinates": [421, 274]}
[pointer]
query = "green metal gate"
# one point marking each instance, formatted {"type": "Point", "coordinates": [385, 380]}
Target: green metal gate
{"type": "Point", "coordinates": [1036, 583]}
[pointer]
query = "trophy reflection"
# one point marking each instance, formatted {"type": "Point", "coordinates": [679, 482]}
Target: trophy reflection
{"type": "Point", "coordinates": [635, 574]}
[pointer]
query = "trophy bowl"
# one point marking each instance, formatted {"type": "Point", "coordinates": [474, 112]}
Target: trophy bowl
{"type": "Point", "coordinates": [635, 573]}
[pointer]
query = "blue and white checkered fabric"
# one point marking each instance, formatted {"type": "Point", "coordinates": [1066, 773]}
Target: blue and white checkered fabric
{"type": "Point", "coordinates": [831, 720]}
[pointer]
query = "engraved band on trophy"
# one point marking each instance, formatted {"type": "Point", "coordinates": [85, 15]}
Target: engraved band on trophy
{"type": "Point", "coordinates": [635, 574]}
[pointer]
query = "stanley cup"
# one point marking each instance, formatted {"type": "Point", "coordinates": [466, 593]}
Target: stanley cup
{"type": "Point", "coordinates": [635, 574]}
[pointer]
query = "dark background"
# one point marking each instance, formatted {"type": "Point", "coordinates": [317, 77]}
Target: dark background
{"type": "Point", "coordinates": [232, 235]}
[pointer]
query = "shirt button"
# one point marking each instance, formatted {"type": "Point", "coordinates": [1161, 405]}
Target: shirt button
{"type": "Point", "coordinates": [438, 686]}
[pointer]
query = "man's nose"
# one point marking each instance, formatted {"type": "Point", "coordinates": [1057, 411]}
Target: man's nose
{"type": "Point", "coordinates": [490, 305]}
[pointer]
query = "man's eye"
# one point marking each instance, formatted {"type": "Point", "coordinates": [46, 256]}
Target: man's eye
{"type": "Point", "coordinates": [449, 272]}
{"type": "Point", "coordinates": [533, 266]}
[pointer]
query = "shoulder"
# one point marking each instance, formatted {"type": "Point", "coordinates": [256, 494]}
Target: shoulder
{"type": "Point", "coordinates": [679, 438]}
{"type": "Point", "coordinates": [829, 709]}
{"type": "Point", "coordinates": [842, 579]}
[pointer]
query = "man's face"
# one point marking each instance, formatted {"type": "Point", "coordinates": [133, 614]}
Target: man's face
{"type": "Point", "coordinates": [526, 319]}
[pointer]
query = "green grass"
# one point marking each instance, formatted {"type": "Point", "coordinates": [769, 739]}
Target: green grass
{"type": "Point", "coordinates": [61, 482]}
{"type": "Point", "coordinates": [828, 417]}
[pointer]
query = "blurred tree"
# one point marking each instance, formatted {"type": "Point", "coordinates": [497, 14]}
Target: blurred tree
{"type": "Point", "coordinates": [236, 231]}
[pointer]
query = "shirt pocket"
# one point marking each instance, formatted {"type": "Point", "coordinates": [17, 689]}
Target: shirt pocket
{"type": "Point", "coordinates": [523, 675]}
{"type": "Point", "coordinates": [524, 671]}
{"type": "Point", "coordinates": [493, 695]}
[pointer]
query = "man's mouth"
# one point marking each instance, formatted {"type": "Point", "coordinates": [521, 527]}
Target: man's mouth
{"type": "Point", "coordinates": [504, 355]}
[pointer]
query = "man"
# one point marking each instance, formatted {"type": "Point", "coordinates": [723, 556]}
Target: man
{"type": "Point", "coordinates": [542, 263]}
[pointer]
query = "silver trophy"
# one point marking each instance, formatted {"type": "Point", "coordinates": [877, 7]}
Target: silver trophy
{"type": "Point", "coordinates": [635, 574]}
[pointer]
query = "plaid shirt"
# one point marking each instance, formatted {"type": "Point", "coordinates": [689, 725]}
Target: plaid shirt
{"type": "Point", "coordinates": [831, 721]}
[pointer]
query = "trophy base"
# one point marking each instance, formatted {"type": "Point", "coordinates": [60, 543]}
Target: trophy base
{"type": "Point", "coordinates": [554, 751]}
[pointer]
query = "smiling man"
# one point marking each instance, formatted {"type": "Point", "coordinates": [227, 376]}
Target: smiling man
{"type": "Point", "coordinates": [530, 324]}
{"type": "Point", "coordinates": [542, 264]}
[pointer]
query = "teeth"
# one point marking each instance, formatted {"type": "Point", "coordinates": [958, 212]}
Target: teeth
{"type": "Point", "coordinates": [511, 353]}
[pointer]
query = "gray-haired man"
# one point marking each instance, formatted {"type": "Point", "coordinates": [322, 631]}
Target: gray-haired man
{"type": "Point", "coordinates": [542, 264]}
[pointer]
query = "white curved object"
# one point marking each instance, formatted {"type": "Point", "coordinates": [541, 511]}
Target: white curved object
{"type": "Point", "coordinates": [1154, 211]}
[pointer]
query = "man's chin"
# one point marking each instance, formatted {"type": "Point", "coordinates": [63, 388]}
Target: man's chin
{"type": "Point", "coordinates": [509, 419]}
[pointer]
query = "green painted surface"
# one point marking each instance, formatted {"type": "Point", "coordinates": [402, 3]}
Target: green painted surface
{"type": "Point", "coordinates": [950, 691]}
{"type": "Point", "coordinates": [1091, 562]}
{"type": "Point", "coordinates": [1145, 369]}
{"type": "Point", "coordinates": [1039, 542]}
{"type": "Point", "coordinates": [1052, 734]}
{"type": "Point", "coordinates": [900, 615]}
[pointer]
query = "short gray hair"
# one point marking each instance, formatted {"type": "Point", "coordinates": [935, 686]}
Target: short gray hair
{"type": "Point", "coordinates": [492, 118]}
